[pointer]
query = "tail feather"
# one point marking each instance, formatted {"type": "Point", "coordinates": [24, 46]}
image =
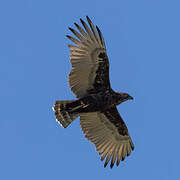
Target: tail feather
{"type": "Point", "coordinates": [63, 116]}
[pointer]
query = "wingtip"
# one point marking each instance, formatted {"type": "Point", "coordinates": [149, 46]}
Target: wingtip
{"type": "Point", "coordinates": [111, 166]}
{"type": "Point", "coordinates": [69, 37]}
{"type": "Point", "coordinates": [99, 32]}
{"type": "Point", "coordinates": [71, 29]}
{"type": "Point", "coordinates": [128, 154]}
{"type": "Point", "coordinates": [132, 147]}
{"type": "Point", "coordinates": [105, 164]}
{"type": "Point", "coordinates": [87, 17]}
{"type": "Point", "coordinates": [97, 28]}
{"type": "Point", "coordinates": [117, 163]}
{"type": "Point", "coordinates": [89, 21]}
{"type": "Point", "coordinates": [82, 21]}
{"type": "Point", "coordinates": [77, 26]}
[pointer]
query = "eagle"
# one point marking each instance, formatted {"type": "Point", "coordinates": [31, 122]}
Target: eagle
{"type": "Point", "coordinates": [95, 101]}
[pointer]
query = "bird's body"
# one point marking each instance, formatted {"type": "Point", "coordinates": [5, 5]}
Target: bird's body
{"type": "Point", "coordinates": [96, 101]}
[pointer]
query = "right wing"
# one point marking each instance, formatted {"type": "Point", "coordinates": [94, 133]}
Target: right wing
{"type": "Point", "coordinates": [90, 65]}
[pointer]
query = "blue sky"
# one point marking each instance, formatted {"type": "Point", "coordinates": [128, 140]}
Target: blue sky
{"type": "Point", "coordinates": [143, 44]}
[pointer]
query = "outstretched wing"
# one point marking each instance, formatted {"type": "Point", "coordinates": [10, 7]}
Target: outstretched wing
{"type": "Point", "coordinates": [90, 65]}
{"type": "Point", "coordinates": [109, 134]}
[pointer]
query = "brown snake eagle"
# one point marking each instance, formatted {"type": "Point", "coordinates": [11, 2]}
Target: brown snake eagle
{"type": "Point", "coordinates": [96, 102]}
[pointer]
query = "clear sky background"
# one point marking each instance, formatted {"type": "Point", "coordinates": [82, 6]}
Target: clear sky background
{"type": "Point", "coordinates": [143, 44]}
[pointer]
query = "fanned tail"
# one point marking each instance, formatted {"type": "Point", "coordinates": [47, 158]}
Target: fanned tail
{"type": "Point", "coordinates": [63, 113]}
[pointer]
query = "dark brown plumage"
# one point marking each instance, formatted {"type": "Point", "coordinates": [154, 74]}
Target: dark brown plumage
{"type": "Point", "coordinates": [96, 102]}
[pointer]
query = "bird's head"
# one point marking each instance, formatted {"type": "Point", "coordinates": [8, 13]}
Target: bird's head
{"type": "Point", "coordinates": [123, 97]}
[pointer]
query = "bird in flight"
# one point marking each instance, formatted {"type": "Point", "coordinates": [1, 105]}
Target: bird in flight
{"type": "Point", "coordinates": [95, 100]}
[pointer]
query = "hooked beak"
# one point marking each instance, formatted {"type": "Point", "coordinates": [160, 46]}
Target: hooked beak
{"type": "Point", "coordinates": [130, 98]}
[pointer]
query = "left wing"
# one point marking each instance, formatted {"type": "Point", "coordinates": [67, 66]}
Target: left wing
{"type": "Point", "coordinates": [89, 61]}
{"type": "Point", "coordinates": [108, 132]}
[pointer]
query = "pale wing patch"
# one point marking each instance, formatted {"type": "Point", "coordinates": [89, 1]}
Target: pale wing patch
{"type": "Point", "coordinates": [106, 138]}
{"type": "Point", "coordinates": [84, 57]}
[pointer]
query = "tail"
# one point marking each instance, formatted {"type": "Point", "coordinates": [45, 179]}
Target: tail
{"type": "Point", "coordinates": [63, 113]}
